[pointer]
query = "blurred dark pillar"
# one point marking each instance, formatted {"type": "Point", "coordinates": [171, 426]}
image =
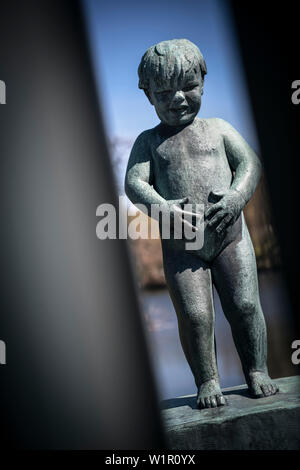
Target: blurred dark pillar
{"type": "Point", "coordinates": [77, 374]}
{"type": "Point", "coordinates": [269, 39]}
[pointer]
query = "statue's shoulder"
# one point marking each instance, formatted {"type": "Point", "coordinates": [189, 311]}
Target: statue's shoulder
{"type": "Point", "coordinates": [216, 126]}
{"type": "Point", "coordinates": [147, 137]}
{"type": "Point", "coordinates": [214, 122]}
{"type": "Point", "coordinates": [220, 124]}
{"type": "Point", "coordinates": [143, 145]}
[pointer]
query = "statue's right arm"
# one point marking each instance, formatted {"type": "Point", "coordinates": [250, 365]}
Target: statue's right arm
{"type": "Point", "coordinates": [139, 175]}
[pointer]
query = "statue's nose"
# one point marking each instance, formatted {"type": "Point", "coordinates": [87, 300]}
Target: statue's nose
{"type": "Point", "coordinates": [179, 97]}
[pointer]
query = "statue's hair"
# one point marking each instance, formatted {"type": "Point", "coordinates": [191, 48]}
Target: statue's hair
{"type": "Point", "coordinates": [168, 59]}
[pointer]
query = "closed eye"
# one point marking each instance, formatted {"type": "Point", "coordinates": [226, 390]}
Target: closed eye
{"type": "Point", "coordinates": [190, 87]}
{"type": "Point", "coordinates": [163, 92]}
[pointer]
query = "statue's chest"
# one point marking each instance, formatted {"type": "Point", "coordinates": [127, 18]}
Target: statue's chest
{"type": "Point", "coordinates": [187, 151]}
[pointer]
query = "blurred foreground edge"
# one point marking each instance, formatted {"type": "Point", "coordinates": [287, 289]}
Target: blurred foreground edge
{"type": "Point", "coordinates": [78, 374]}
{"type": "Point", "coordinates": [268, 39]}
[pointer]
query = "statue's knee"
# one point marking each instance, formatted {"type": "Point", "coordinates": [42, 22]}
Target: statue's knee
{"type": "Point", "coordinates": [197, 319]}
{"type": "Point", "coordinates": [247, 308]}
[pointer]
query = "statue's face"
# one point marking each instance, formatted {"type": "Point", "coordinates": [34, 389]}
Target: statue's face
{"type": "Point", "coordinates": [177, 103]}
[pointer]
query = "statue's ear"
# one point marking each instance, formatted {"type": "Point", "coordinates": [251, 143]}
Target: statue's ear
{"type": "Point", "coordinates": [202, 86]}
{"type": "Point", "coordinates": [148, 96]}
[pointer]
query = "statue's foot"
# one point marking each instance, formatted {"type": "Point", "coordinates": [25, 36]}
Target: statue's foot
{"type": "Point", "coordinates": [260, 385]}
{"type": "Point", "coordinates": [210, 395]}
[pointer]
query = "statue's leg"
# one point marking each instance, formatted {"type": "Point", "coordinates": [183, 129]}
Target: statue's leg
{"type": "Point", "coordinates": [234, 275]}
{"type": "Point", "coordinates": [189, 283]}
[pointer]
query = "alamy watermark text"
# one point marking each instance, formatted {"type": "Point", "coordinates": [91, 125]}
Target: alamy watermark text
{"type": "Point", "coordinates": [176, 222]}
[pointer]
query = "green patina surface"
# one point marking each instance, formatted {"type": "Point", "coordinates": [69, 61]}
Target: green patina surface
{"type": "Point", "coordinates": [268, 423]}
{"type": "Point", "coordinates": [203, 162]}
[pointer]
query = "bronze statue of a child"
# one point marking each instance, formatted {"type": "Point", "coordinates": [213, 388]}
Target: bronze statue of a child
{"type": "Point", "coordinates": [201, 161]}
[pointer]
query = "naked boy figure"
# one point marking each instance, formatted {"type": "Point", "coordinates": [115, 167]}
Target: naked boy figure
{"type": "Point", "coordinates": [201, 161]}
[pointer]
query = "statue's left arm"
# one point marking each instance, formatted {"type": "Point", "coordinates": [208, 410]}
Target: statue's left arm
{"type": "Point", "coordinates": [247, 171]}
{"type": "Point", "coordinates": [243, 160]}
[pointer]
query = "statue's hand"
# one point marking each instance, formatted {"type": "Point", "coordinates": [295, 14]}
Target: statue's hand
{"type": "Point", "coordinates": [175, 210]}
{"type": "Point", "coordinates": [226, 211]}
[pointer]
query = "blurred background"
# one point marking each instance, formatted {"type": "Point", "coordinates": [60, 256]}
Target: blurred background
{"type": "Point", "coordinates": [119, 34]}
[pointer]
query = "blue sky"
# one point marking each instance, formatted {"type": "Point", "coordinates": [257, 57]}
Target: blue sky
{"type": "Point", "coordinates": [121, 31]}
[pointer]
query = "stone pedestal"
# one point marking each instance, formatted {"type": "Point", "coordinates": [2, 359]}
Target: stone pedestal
{"type": "Point", "coordinates": [269, 423]}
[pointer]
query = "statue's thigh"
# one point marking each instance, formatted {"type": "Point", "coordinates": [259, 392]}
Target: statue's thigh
{"type": "Point", "coordinates": [234, 274]}
{"type": "Point", "coordinates": [190, 285]}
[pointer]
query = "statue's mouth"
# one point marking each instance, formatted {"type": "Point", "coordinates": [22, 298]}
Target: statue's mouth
{"type": "Point", "coordinates": [181, 111]}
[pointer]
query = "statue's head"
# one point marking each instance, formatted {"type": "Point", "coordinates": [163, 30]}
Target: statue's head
{"type": "Point", "coordinates": [171, 73]}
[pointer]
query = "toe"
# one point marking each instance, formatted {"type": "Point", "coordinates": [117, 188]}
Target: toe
{"type": "Point", "coordinates": [201, 403]}
{"type": "Point", "coordinates": [213, 401]}
{"type": "Point", "coordinates": [256, 391]}
{"type": "Point", "coordinates": [272, 389]}
{"type": "Point", "coordinates": [207, 402]}
{"type": "Point", "coordinates": [265, 390]}
{"type": "Point", "coordinates": [220, 400]}
{"type": "Point", "coordinates": [275, 388]}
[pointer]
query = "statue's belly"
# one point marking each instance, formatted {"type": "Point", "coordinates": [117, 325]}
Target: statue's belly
{"type": "Point", "coordinates": [178, 177]}
{"type": "Point", "coordinates": [197, 179]}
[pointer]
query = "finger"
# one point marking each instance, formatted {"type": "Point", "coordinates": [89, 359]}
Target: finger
{"type": "Point", "coordinates": [224, 224]}
{"type": "Point", "coordinates": [217, 218]}
{"type": "Point", "coordinates": [192, 214]}
{"type": "Point", "coordinates": [189, 225]}
{"type": "Point", "coordinates": [217, 194]}
{"type": "Point", "coordinates": [212, 210]}
{"type": "Point", "coordinates": [181, 201]}
{"type": "Point", "coordinates": [177, 208]}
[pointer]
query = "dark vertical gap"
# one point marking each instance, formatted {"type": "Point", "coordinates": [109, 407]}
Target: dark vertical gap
{"type": "Point", "coordinates": [268, 40]}
{"type": "Point", "coordinates": [78, 373]}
